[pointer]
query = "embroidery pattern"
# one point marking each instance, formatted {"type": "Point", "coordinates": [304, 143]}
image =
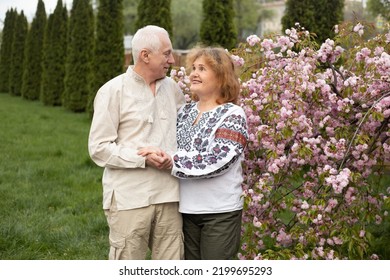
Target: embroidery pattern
{"type": "Point", "coordinates": [228, 143]}
{"type": "Point", "coordinates": [231, 135]}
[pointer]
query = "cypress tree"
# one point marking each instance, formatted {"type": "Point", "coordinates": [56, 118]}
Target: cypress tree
{"type": "Point", "coordinates": [217, 27]}
{"type": "Point", "coordinates": [230, 33]}
{"type": "Point", "coordinates": [212, 27]}
{"type": "Point", "coordinates": [32, 74]}
{"type": "Point", "coordinates": [6, 49]}
{"type": "Point", "coordinates": [142, 14]}
{"type": "Point", "coordinates": [54, 56]}
{"type": "Point", "coordinates": [325, 21]}
{"type": "Point", "coordinates": [109, 49]}
{"type": "Point", "coordinates": [17, 55]}
{"type": "Point", "coordinates": [316, 16]}
{"type": "Point", "coordinates": [44, 96]}
{"type": "Point", "coordinates": [78, 68]}
{"type": "Point", "coordinates": [299, 11]}
{"type": "Point", "coordinates": [155, 12]}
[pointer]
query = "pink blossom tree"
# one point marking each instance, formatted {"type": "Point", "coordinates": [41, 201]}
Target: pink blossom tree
{"type": "Point", "coordinates": [319, 129]}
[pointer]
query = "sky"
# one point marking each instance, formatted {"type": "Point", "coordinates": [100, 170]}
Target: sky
{"type": "Point", "coordinates": [29, 7]}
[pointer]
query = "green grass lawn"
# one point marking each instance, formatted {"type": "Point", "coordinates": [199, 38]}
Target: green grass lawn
{"type": "Point", "coordinates": [50, 190]}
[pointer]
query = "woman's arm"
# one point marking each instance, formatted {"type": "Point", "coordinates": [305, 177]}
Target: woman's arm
{"type": "Point", "coordinates": [214, 156]}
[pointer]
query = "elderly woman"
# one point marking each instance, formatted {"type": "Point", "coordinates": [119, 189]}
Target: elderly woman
{"type": "Point", "coordinates": [211, 138]}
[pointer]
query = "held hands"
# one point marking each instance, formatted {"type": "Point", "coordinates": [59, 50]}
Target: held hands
{"type": "Point", "coordinates": [156, 157]}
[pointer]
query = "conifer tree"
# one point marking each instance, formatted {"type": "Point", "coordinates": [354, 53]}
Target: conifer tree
{"type": "Point", "coordinates": [78, 68]}
{"type": "Point", "coordinates": [230, 39]}
{"type": "Point", "coordinates": [155, 12]}
{"type": "Point", "coordinates": [6, 49]}
{"type": "Point", "coordinates": [299, 11]}
{"type": "Point", "coordinates": [17, 55]}
{"type": "Point", "coordinates": [326, 20]}
{"type": "Point", "coordinates": [316, 16]}
{"type": "Point", "coordinates": [32, 74]}
{"type": "Point", "coordinates": [142, 13]}
{"type": "Point", "coordinates": [47, 58]}
{"type": "Point", "coordinates": [217, 27]}
{"type": "Point", "coordinates": [109, 49]}
{"type": "Point", "coordinates": [212, 27]}
{"type": "Point", "coordinates": [54, 56]}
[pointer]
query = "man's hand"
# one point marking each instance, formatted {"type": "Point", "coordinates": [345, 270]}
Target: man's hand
{"type": "Point", "coordinates": [156, 157]}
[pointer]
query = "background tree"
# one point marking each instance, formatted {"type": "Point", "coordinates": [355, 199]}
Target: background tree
{"type": "Point", "coordinates": [263, 15]}
{"type": "Point", "coordinates": [246, 17]}
{"type": "Point", "coordinates": [6, 49]}
{"type": "Point", "coordinates": [130, 15]}
{"type": "Point", "coordinates": [325, 21]}
{"type": "Point", "coordinates": [156, 12]}
{"type": "Point", "coordinates": [211, 27]}
{"type": "Point", "coordinates": [78, 71]}
{"type": "Point", "coordinates": [217, 27]}
{"type": "Point", "coordinates": [46, 61]}
{"type": "Point", "coordinates": [54, 57]}
{"type": "Point", "coordinates": [354, 10]}
{"type": "Point", "coordinates": [301, 11]}
{"type": "Point", "coordinates": [109, 50]}
{"type": "Point", "coordinates": [379, 7]}
{"type": "Point", "coordinates": [32, 70]}
{"type": "Point", "coordinates": [230, 31]}
{"type": "Point", "coordinates": [314, 15]}
{"type": "Point", "coordinates": [17, 54]}
{"type": "Point", "coordinates": [186, 32]}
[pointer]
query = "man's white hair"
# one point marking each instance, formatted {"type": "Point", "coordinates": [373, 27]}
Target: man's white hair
{"type": "Point", "coordinates": [147, 37]}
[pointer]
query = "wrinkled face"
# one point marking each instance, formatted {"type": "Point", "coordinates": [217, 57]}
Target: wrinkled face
{"type": "Point", "coordinates": [204, 82]}
{"type": "Point", "coordinates": [161, 61]}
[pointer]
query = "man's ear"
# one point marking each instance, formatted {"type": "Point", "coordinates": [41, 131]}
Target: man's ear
{"type": "Point", "coordinates": [144, 55]}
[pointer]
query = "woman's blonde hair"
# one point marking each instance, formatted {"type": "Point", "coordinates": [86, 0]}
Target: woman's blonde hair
{"type": "Point", "coordinates": [222, 64]}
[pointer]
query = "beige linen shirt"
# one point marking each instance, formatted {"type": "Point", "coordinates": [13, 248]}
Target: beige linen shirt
{"type": "Point", "coordinates": [127, 116]}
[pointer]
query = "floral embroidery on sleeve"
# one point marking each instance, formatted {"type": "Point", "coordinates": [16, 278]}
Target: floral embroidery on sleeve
{"type": "Point", "coordinates": [213, 149]}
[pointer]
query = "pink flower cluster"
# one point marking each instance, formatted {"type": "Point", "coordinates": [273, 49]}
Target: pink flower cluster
{"type": "Point", "coordinates": [338, 181]}
{"type": "Point", "coordinates": [329, 52]}
{"type": "Point", "coordinates": [182, 80]}
{"type": "Point", "coordinates": [359, 28]}
{"type": "Point", "coordinates": [318, 123]}
{"type": "Point", "coordinates": [316, 134]}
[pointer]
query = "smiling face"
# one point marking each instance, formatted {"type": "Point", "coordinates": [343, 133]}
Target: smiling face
{"type": "Point", "coordinates": [204, 82]}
